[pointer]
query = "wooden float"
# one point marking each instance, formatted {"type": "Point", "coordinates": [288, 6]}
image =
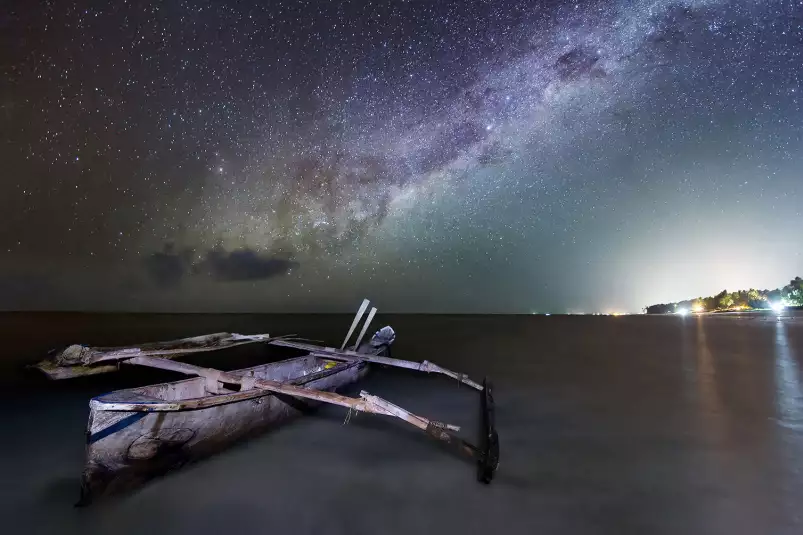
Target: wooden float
{"type": "Point", "coordinates": [138, 433]}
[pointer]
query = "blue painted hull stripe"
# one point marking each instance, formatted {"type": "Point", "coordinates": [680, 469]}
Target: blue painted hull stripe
{"type": "Point", "coordinates": [117, 426]}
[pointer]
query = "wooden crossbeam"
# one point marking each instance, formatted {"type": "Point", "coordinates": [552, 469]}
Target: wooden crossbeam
{"type": "Point", "coordinates": [365, 403]}
{"type": "Point", "coordinates": [351, 356]}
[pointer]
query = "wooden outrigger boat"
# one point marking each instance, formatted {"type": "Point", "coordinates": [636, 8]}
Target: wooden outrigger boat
{"type": "Point", "coordinates": [138, 433]}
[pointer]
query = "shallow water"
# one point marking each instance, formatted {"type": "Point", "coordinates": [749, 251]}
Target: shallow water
{"type": "Point", "coordinates": [607, 425]}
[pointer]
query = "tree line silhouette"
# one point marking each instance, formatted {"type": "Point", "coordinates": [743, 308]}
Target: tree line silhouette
{"type": "Point", "coordinates": [790, 295]}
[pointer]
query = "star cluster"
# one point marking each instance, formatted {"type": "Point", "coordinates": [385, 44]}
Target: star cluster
{"type": "Point", "coordinates": [478, 156]}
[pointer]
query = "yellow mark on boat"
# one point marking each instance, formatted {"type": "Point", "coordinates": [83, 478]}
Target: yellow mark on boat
{"type": "Point", "coordinates": [329, 364]}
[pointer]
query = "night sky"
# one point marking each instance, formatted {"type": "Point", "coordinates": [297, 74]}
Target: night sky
{"type": "Point", "coordinates": [434, 156]}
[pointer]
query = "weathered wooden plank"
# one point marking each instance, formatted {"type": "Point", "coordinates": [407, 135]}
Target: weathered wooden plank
{"type": "Point", "coordinates": [210, 401]}
{"type": "Point", "coordinates": [56, 372]}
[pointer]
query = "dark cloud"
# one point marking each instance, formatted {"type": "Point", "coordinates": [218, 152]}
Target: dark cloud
{"type": "Point", "coordinates": [679, 26]}
{"type": "Point", "coordinates": [168, 267]}
{"type": "Point", "coordinates": [493, 154]}
{"type": "Point", "coordinates": [243, 265]}
{"type": "Point", "coordinates": [577, 63]}
{"type": "Point", "coordinates": [320, 195]}
{"type": "Point", "coordinates": [449, 144]}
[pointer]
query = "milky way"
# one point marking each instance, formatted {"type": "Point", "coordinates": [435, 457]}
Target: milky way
{"type": "Point", "coordinates": [467, 156]}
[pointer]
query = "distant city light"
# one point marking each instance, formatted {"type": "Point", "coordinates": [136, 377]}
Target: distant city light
{"type": "Point", "coordinates": [777, 307]}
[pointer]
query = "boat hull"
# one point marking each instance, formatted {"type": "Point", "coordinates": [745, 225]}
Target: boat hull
{"type": "Point", "coordinates": [166, 426]}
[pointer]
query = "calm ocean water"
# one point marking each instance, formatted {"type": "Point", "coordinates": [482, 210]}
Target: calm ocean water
{"type": "Point", "coordinates": [607, 425]}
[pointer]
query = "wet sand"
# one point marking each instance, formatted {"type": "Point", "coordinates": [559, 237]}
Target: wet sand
{"type": "Point", "coordinates": [607, 425]}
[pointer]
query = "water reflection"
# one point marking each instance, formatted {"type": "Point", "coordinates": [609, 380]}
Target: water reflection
{"type": "Point", "coordinates": [719, 466]}
{"type": "Point", "coordinates": [711, 409]}
{"type": "Point", "coordinates": [789, 393]}
{"type": "Point", "coordinates": [688, 362]}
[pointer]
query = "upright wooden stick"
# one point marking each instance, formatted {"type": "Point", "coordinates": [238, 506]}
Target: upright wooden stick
{"type": "Point", "coordinates": [357, 317]}
{"type": "Point", "coordinates": [365, 327]}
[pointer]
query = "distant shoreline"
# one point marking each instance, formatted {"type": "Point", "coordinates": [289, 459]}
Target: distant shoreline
{"type": "Point", "coordinates": [754, 312]}
{"type": "Point", "coordinates": [786, 297]}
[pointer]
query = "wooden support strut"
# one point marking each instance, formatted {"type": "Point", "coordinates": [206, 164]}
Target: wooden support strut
{"type": "Point", "coordinates": [366, 402]}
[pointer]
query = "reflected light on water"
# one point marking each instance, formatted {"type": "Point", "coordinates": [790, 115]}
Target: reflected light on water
{"type": "Point", "coordinates": [789, 393]}
{"type": "Point", "coordinates": [711, 409]}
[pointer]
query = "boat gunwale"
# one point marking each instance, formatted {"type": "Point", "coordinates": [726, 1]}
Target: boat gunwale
{"type": "Point", "coordinates": [212, 400]}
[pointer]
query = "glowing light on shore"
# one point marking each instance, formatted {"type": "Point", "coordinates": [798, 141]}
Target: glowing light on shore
{"type": "Point", "coordinates": [777, 307]}
{"type": "Point", "coordinates": [682, 311]}
{"type": "Point", "coordinates": [697, 308]}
